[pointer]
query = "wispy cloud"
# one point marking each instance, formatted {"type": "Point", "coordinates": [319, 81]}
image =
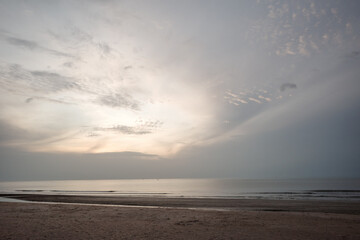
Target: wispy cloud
{"type": "Point", "coordinates": [353, 54]}
{"type": "Point", "coordinates": [47, 99]}
{"type": "Point", "coordinates": [80, 38]}
{"type": "Point", "coordinates": [68, 64]}
{"type": "Point", "coordinates": [19, 79]}
{"type": "Point", "coordinates": [286, 86]}
{"type": "Point", "coordinates": [118, 100]}
{"type": "Point", "coordinates": [34, 46]}
{"type": "Point", "coordinates": [140, 129]}
{"type": "Point", "coordinates": [285, 29]}
{"type": "Point", "coordinates": [254, 100]}
{"type": "Point", "coordinates": [234, 98]}
{"type": "Point", "coordinates": [54, 81]}
{"type": "Point", "coordinates": [104, 48]}
{"type": "Point", "coordinates": [255, 96]}
{"type": "Point", "coordinates": [22, 43]}
{"type": "Point", "coordinates": [265, 98]}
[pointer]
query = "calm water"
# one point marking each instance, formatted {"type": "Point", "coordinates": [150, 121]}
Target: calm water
{"type": "Point", "coordinates": [329, 189]}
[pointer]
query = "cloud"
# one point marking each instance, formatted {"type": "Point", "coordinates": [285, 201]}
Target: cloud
{"type": "Point", "coordinates": [245, 96]}
{"type": "Point", "coordinates": [22, 43]}
{"type": "Point", "coordinates": [285, 86]}
{"type": "Point", "coordinates": [68, 64]}
{"type": "Point", "coordinates": [80, 35]}
{"type": "Point", "coordinates": [254, 100]}
{"type": "Point", "coordinates": [18, 79]}
{"type": "Point", "coordinates": [311, 28]}
{"type": "Point", "coordinates": [31, 99]}
{"type": "Point", "coordinates": [141, 129]}
{"type": "Point", "coordinates": [80, 38]}
{"type": "Point", "coordinates": [129, 130]}
{"type": "Point", "coordinates": [104, 48]}
{"type": "Point", "coordinates": [265, 98]}
{"type": "Point", "coordinates": [31, 45]}
{"type": "Point", "coordinates": [234, 98]}
{"type": "Point", "coordinates": [52, 82]}
{"type": "Point", "coordinates": [119, 100]}
{"type": "Point", "coordinates": [354, 54]}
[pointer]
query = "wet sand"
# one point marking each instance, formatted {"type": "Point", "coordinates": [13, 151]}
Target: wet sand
{"type": "Point", "coordinates": [343, 207]}
{"type": "Point", "coordinates": [222, 219]}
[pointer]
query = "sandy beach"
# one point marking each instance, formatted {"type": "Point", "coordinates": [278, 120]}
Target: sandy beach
{"type": "Point", "coordinates": [172, 218]}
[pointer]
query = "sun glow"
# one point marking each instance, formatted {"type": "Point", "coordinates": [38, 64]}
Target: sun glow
{"type": "Point", "coordinates": [111, 115]}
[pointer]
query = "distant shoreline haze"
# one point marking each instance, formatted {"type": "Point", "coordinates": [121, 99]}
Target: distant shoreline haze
{"type": "Point", "coordinates": [300, 189]}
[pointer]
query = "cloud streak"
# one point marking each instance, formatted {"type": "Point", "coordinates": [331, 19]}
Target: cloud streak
{"type": "Point", "coordinates": [31, 99]}
{"type": "Point", "coordinates": [147, 127]}
{"type": "Point", "coordinates": [286, 86]}
{"type": "Point", "coordinates": [118, 100]}
{"type": "Point", "coordinates": [19, 79]}
{"type": "Point", "coordinates": [34, 46]}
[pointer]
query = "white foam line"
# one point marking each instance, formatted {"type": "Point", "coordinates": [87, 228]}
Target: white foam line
{"type": "Point", "coordinates": [6, 199]}
{"type": "Point", "coordinates": [116, 205]}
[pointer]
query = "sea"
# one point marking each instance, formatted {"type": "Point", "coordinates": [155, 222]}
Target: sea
{"type": "Point", "coordinates": [297, 189]}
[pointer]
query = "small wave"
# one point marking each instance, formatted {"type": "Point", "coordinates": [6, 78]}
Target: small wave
{"type": "Point", "coordinates": [29, 190]}
{"type": "Point", "coordinates": [305, 192]}
{"type": "Point", "coordinates": [111, 191]}
{"type": "Point", "coordinates": [75, 191]}
{"type": "Point", "coordinates": [91, 192]}
{"type": "Point", "coordinates": [336, 191]}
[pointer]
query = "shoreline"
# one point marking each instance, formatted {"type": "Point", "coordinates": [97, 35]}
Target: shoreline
{"type": "Point", "coordinates": [266, 205]}
{"type": "Point", "coordinates": [72, 221]}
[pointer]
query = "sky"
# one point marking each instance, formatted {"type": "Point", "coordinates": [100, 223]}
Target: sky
{"type": "Point", "coordinates": [179, 89]}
